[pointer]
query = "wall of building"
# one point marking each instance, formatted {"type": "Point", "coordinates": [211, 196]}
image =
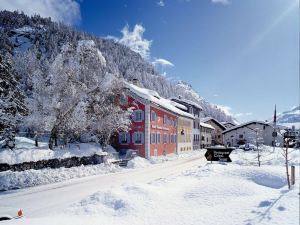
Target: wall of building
{"type": "Point", "coordinates": [217, 135]}
{"type": "Point", "coordinates": [184, 135]}
{"type": "Point", "coordinates": [247, 134]}
{"type": "Point", "coordinates": [136, 126]}
{"type": "Point", "coordinates": [206, 137]}
{"type": "Point", "coordinates": [163, 124]}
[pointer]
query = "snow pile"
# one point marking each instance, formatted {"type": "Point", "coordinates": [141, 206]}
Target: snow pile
{"type": "Point", "coordinates": [26, 151]}
{"type": "Point", "coordinates": [138, 162]}
{"type": "Point", "coordinates": [28, 178]}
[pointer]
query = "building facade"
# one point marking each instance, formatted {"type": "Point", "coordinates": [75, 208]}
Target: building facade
{"type": "Point", "coordinates": [155, 121]}
{"type": "Point", "coordinates": [217, 133]}
{"type": "Point", "coordinates": [194, 109]}
{"type": "Point", "coordinates": [184, 134]}
{"type": "Point", "coordinates": [206, 135]}
{"type": "Point", "coordinates": [251, 132]}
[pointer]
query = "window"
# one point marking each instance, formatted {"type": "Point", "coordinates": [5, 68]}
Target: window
{"type": "Point", "coordinates": [138, 115]}
{"type": "Point", "coordinates": [153, 116]}
{"type": "Point", "coordinates": [165, 119]}
{"type": "Point", "coordinates": [165, 138]}
{"type": "Point", "coordinates": [171, 122]}
{"type": "Point", "coordinates": [138, 137]}
{"type": "Point", "coordinates": [124, 138]}
{"type": "Point", "coordinates": [202, 138]}
{"type": "Point", "coordinates": [172, 139]}
{"type": "Point", "coordinates": [240, 136]}
{"type": "Point", "coordinates": [158, 138]}
{"type": "Point", "coordinates": [153, 138]}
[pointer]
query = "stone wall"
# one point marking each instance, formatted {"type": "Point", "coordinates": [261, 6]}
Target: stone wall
{"type": "Point", "coordinates": [54, 163]}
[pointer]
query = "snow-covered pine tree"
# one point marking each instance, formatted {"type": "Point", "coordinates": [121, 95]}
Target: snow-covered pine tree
{"type": "Point", "coordinates": [12, 106]}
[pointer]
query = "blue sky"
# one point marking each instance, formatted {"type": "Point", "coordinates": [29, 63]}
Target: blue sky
{"type": "Point", "coordinates": [240, 54]}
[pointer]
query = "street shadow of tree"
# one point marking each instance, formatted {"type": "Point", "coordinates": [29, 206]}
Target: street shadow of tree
{"type": "Point", "coordinates": [265, 214]}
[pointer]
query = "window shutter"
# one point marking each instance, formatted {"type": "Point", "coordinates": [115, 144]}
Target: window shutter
{"type": "Point", "coordinates": [142, 115]}
{"type": "Point", "coordinates": [142, 137]}
{"type": "Point", "coordinates": [134, 137]}
{"type": "Point", "coordinates": [128, 138]}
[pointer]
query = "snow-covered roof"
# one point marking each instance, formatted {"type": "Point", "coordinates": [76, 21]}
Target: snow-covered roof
{"type": "Point", "coordinates": [187, 102]}
{"type": "Point", "coordinates": [225, 123]}
{"type": "Point", "coordinates": [206, 119]}
{"type": "Point", "coordinates": [176, 104]}
{"type": "Point", "coordinates": [206, 125]}
{"type": "Point", "coordinates": [154, 97]}
{"type": "Point", "coordinates": [245, 124]}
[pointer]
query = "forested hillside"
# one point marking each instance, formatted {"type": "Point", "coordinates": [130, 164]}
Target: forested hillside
{"type": "Point", "coordinates": [54, 64]}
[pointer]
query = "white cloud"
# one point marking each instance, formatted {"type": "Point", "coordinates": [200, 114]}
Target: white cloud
{"type": "Point", "coordinates": [215, 95]}
{"type": "Point", "coordinates": [135, 41]}
{"type": "Point", "coordinates": [228, 111]}
{"type": "Point", "coordinates": [224, 2]}
{"type": "Point", "coordinates": [161, 3]}
{"type": "Point", "coordinates": [243, 114]}
{"type": "Point", "coordinates": [162, 62]}
{"type": "Point", "coordinates": [66, 11]}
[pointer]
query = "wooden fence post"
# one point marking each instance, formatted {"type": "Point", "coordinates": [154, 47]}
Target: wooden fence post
{"type": "Point", "coordinates": [293, 175]}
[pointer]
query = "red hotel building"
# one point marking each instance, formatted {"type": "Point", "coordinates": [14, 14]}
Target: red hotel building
{"type": "Point", "coordinates": [153, 131]}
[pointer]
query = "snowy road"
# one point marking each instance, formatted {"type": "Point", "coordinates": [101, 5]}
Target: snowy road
{"type": "Point", "coordinates": [49, 199]}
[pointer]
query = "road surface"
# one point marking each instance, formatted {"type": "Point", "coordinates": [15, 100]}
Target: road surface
{"type": "Point", "coordinates": [49, 199]}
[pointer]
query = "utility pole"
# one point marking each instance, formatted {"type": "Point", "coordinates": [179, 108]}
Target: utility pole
{"type": "Point", "coordinates": [258, 153]}
{"type": "Point", "coordinates": [274, 131]}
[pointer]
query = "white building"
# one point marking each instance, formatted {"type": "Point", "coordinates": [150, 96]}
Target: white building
{"type": "Point", "coordinates": [246, 133]}
{"type": "Point", "coordinates": [206, 135]}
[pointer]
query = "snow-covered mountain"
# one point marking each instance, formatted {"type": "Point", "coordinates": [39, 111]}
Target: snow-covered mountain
{"type": "Point", "coordinates": [24, 38]}
{"type": "Point", "coordinates": [290, 118]}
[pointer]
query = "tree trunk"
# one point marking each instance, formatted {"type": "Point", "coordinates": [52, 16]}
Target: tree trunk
{"type": "Point", "coordinates": [36, 140]}
{"type": "Point", "coordinates": [53, 138]}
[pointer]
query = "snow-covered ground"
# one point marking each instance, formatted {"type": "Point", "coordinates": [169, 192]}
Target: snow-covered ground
{"type": "Point", "coordinates": [195, 192]}
{"type": "Point", "coordinates": [26, 151]}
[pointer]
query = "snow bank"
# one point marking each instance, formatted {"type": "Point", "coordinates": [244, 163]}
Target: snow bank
{"type": "Point", "coordinates": [26, 151]}
{"type": "Point", "coordinates": [15, 180]}
{"type": "Point", "coordinates": [138, 162]}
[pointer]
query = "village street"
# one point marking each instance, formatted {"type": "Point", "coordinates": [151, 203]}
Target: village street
{"type": "Point", "coordinates": [53, 198]}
